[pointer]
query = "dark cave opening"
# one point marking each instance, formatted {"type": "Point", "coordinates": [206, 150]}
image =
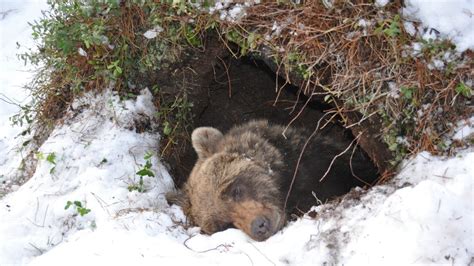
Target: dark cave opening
{"type": "Point", "coordinates": [235, 91]}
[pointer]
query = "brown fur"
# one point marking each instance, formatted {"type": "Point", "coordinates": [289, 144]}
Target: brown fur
{"type": "Point", "coordinates": [241, 178]}
{"type": "Point", "coordinates": [243, 213]}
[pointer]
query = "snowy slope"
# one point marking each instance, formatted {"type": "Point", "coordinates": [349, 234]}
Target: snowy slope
{"type": "Point", "coordinates": [96, 160]}
{"type": "Point", "coordinates": [424, 216]}
{"type": "Point", "coordinates": [14, 28]}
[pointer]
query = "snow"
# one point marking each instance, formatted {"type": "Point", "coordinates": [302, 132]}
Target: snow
{"type": "Point", "coordinates": [152, 33]}
{"type": "Point", "coordinates": [425, 215]}
{"type": "Point", "coordinates": [464, 129]}
{"type": "Point", "coordinates": [453, 19]}
{"type": "Point", "coordinates": [394, 91]}
{"type": "Point", "coordinates": [13, 74]}
{"type": "Point", "coordinates": [82, 52]}
{"type": "Point", "coordinates": [96, 160]}
{"type": "Point", "coordinates": [381, 3]}
{"type": "Point", "coordinates": [230, 11]}
{"type": "Point", "coordinates": [434, 211]}
{"type": "Point", "coordinates": [409, 28]}
{"type": "Point", "coordinates": [429, 204]}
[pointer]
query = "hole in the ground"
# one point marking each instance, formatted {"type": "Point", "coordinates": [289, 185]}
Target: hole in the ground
{"type": "Point", "coordinates": [245, 89]}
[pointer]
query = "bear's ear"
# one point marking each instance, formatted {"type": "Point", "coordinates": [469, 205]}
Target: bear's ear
{"type": "Point", "coordinates": [205, 141]}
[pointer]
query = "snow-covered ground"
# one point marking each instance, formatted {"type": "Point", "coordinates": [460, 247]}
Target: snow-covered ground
{"type": "Point", "coordinates": [451, 19]}
{"type": "Point", "coordinates": [14, 17]}
{"type": "Point", "coordinates": [424, 216]}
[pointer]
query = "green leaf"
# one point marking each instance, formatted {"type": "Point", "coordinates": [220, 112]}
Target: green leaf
{"type": "Point", "coordinates": [167, 129]}
{"type": "Point", "coordinates": [145, 172]}
{"type": "Point", "coordinates": [407, 92]}
{"type": "Point", "coordinates": [68, 204]}
{"type": "Point", "coordinates": [147, 164]}
{"type": "Point", "coordinates": [40, 155]}
{"type": "Point", "coordinates": [191, 36]}
{"type": "Point", "coordinates": [148, 155]}
{"type": "Point", "coordinates": [252, 40]}
{"type": "Point", "coordinates": [389, 27]}
{"type": "Point", "coordinates": [393, 146]}
{"type": "Point", "coordinates": [464, 90]}
{"type": "Point", "coordinates": [83, 211]}
{"type": "Point", "coordinates": [51, 158]}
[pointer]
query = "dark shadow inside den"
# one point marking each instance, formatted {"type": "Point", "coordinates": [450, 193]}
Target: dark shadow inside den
{"type": "Point", "coordinates": [234, 91]}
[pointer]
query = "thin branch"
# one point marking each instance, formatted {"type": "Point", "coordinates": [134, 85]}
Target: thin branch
{"type": "Point", "coordinates": [228, 77]}
{"type": "Point", "coordinates": [338, 155]}
{"type": "Point", "coordinates": [299, 159]}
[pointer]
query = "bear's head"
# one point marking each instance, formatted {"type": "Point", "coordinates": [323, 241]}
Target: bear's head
{"type": "Point", "coordinates": [229, 189]}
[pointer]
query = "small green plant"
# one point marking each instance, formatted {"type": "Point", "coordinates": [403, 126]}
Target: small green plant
{"type": "Point", "coordinates": [51, 158]}
{"type": "Point", "coordinates": [296, 60]}
{"type": "Point", "coordinates": [81, 210]}
{"type": "Point", "coordinates": [236, 37]}
{"type": "Point", "coordinates": [399, 150]}
{"type": "Point", "coordinates": [398, 132]}
{"type": "Point", "coordinates": [138, 187]}
{"type": "Point", "coordinates": [144, 171]}
{"type": "Point", "coordinates": [116, 69]}
{"type": "Point", "coordinates": [464, 90]}
{"type": "Point", "coordinates": [192, 35]}
{"type": "Point", "coordinates": [175, 117]}
{"type": "Point", "coordinates": [24, 115]}
{"type": "Point", "coordinates": [407, 92]}
{"type": "Point", "coordinates": [167, 128]}
{"type": "Point", "coordinates": [436, 47]}
{"type": "Point", "coordinates": [389, 27]}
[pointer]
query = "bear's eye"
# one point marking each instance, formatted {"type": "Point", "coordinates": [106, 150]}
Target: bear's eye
{"type": "Point", "coordinates": [236, 193]}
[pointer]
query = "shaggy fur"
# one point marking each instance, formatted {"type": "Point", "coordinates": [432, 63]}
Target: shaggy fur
{"type": "Point", "coordinates": [241, 179]}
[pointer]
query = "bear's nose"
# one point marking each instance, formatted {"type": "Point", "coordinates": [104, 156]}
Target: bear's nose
{"type": "Point", "coordinates": [261, 228]}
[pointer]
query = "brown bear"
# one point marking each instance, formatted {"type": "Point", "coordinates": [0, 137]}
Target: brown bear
{"type": "Point", "coordinates": [241, 179]}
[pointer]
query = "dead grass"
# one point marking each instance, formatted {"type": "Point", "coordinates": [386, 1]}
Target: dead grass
{"type": "Point", "coordinates": [348, 55]}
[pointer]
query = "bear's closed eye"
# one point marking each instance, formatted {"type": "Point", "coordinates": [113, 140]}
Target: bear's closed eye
{"type": "Point", "coordinates": [236, 193]}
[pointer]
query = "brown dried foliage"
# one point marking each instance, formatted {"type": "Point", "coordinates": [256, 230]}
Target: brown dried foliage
{"type": "Point", "coordinates": [354, 64]}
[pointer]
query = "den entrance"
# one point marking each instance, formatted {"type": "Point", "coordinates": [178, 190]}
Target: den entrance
{"type": "Point", "coordinates": [234, 91]}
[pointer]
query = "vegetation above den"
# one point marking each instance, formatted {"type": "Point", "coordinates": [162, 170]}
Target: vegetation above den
{"type": "Point", "coordinates": [353, 55]}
